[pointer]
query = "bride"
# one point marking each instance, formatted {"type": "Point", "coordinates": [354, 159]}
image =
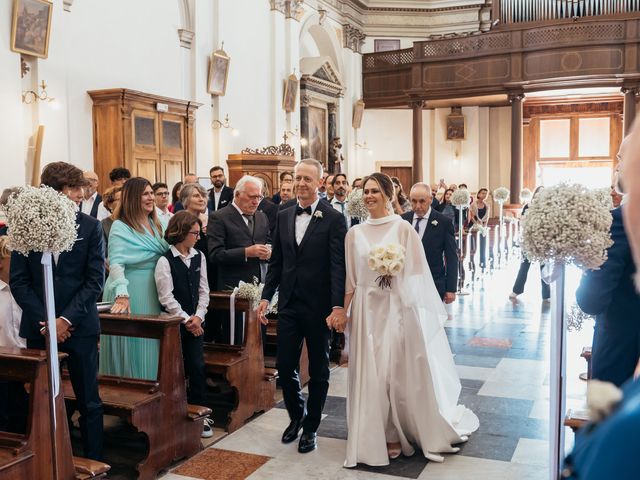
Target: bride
{"type": "Point", "coordinates": [403, 386]}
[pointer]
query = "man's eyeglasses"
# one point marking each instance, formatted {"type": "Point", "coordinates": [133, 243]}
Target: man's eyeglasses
{"type": "Point", "coordinates": [257, 198]}
{"type": "Point", "coordinates": [195, 234]}
{"type": "Point", "coordinates": [162, 194]}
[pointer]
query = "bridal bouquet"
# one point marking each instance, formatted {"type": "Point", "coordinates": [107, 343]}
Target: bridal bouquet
{"type": "Point", "coordinates": [567, 224]}
{"type": "Point", "coordinates": [387, 261]}
{"type": "Point", "coordinates": [461, 198]}
{"type": "Point", "coordinates": [501, 194]}
{"type": "Point", "coordinates": [40, 220]}
{"type": "Point", "coordinates": [355, 205]}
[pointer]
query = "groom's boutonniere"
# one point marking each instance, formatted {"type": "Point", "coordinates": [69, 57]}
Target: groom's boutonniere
{"type": "Point", "coordinates": [434, 223]}
{"type": "Point", "coordinates": [317, 214]}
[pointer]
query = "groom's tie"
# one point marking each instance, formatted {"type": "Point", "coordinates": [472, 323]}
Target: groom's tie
{"type": "Point", "coordinates": [417, 226]}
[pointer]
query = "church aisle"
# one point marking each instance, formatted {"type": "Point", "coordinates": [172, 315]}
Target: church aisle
{"type": "Point", "coordinates": [501, 352]}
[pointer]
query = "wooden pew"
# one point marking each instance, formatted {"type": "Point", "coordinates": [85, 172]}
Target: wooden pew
{"type": "Point", "coordinates": [156, 408]}
{"type": "Point", "coordinates": [30, 456]}
{"type": "Point", "coordinates": [242, 366]}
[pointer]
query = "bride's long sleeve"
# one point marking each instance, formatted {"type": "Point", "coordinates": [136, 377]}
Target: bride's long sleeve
{"type": "Point", "coordinates": [350, 260]}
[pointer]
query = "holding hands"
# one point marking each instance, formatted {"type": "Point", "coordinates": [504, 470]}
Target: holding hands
{"type": "Point", "coordinates": [337, 319]}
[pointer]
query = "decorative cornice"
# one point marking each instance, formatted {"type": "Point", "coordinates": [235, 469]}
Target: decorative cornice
{"type": "Point", "coordinates": [283, 149]}
{"type": "Point", "coordinates": [186, 37]}
{"type": "Point", "coordinates": [353, 37]}
{"type": "Point", "coordinates": [290, 8]}
{"type": "Point", "coordinates": [66, 5]}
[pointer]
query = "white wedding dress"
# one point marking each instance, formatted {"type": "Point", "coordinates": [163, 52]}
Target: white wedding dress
{"type": "Point", "coordinates": [403, 384]}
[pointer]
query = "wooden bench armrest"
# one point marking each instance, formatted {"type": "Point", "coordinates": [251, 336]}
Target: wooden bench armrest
{"type": "Point", "coordinates": [196, 412]}
{"type": "Point", "coordinates": [93, 468]}
{"type": "Point", "coordinates": [13, 441]}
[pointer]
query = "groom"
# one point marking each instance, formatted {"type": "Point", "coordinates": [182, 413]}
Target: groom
{"type": "Point", "coordinates": [308, 267]}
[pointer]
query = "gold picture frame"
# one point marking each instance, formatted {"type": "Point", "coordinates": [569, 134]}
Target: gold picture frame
{"type": "Point", "coordinates": [358, 113]}
{"type": "Point", "coordinates": [456, 127]}
{"type": "Point", "coordinates": [31, 27]}
{"type": "Point", "coordinates": [290, 93]}
{"type": "Point", "coordinates": [218, 73]}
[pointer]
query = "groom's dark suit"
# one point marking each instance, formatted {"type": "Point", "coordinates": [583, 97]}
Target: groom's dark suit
{"type": "Point", "coordinates": [78, 278]}
{"type": "Point", "coordinates": [439, 244]}
{"type": "Point", "coordinates": [311, 280]}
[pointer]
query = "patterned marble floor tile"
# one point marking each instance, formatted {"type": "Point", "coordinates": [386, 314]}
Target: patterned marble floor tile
{"type": "Point", "coordinates": [476, 361]}
{"type": "Point", "coordinates": [512, 370]}
{"type": "Point", "coordinates": [458, 467]}
{"type": "Point", "coordinates": [532, 452]}
{"type": "Point", "coordinates": [473, 373]}
{"type": "Point", "coordinates": [521, 390]}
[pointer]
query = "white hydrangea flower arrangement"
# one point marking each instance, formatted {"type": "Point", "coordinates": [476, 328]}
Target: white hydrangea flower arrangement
{"type": "Point", "coordinates": [526, 195]}
{"type": "Point", "coordinates": [567, 223]}
{"type": "Point", "coordinates": [501, 194]}
{"type": "Point", "coordinates": [355, 205]}
{"type": "Point", "coordinates": [387, 261]}
{"type": "Point", "coordinates": [40, 219]}
{"type": "Point", "coordinates": [461, 198]}
{"type": "Point", "coordinates": [604, 196]}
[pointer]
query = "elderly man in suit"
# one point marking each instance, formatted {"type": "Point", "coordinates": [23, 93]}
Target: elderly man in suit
{"type": "Point", "coordinates": [78, 278]}
{"type": "Point", "coordinates": [238, 237]}
{"type": "Point", "coordinates": [438, 239]}
{"type": "Point", "coordinates": [92, 198]}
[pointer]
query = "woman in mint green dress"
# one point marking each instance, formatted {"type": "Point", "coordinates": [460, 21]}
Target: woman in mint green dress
{"type": "Point", "coordinates": [135, 244]}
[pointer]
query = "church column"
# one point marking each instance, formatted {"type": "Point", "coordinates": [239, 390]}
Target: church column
{"type": "Point", "coordinates": [417, 106]}
{"type": "Point", "coordinates": [332, 108]}
{"type": "Point", "coordinates": [629, 108]}
{"type": "Point", "coordinates": [516, 146]}
{"type": "Point", "coordinates": [304, 124]}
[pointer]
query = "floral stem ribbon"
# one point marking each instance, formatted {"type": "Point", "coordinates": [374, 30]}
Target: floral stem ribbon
{"type": "Point", "coordinates": [232, 316]}
{"type": "Point", "coordinates": [47, 263]}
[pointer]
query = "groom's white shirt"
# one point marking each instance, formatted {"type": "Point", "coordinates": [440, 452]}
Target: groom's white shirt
{"type": "Point", "coordinates": [303, 221]}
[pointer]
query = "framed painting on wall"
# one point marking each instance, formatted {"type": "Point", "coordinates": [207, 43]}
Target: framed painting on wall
{"type": "Point", "coordinates": [31, 27]}
{"type": "Point", "coordinates": [218, 73]}
{"type": "Point", "coordinates": [456, 126]}
{"type": "Point", "coordinates": [386, 44]}
{"type": "Point", "coordinates": [290, 93]}
{"type": "Point", "coordinates": [318, 134]}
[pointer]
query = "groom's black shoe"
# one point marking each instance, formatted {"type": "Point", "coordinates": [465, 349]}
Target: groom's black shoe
{"type": "Point", "coordinates": [292, 431]}
{"type": "Point", "coordinates": [307, 442]}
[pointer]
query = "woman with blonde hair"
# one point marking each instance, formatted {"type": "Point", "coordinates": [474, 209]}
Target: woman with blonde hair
{"type": "Point", "coordinates": [110, 200]}
{"type": "Point", "coordinates": [135, 244]}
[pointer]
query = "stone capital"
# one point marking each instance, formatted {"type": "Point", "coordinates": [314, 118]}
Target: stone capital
{"type": "Point", "coordinates": [290, 8]}
{"type": "Point", "coordinates": [417, 104]}
{"type": "Point", "coordinates": [353, 37]}
{"type": "Point", "coordinates": [516, 97]}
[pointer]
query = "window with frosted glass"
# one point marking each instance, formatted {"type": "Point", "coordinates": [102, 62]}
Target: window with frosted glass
{"type": "Point", "coordinates": [171, 134]}
{"type": "Point", "coordinates": [145, 131]}
{"type": "Point", "coordinates": [593, 137]}
{"type": "Point", "coordinates": [555, 137]}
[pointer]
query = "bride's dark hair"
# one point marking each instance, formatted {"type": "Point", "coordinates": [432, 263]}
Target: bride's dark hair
{"type": "Point", "coordinates": [384, 181]}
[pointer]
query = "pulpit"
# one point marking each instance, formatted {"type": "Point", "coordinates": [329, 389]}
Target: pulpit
{"type": "Point", "coordinates": [266, 163]}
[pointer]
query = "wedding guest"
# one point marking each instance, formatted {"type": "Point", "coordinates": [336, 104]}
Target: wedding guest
{"type": "Point", "coordinates": [329, 183]}
{"type": "Point", "coordinates": [92, 199]}
{"type": "Point", "coordinates": [135, 244]}
{"type": "Point", "coordinates": [438, 240]}
{"type": "Point", "coordinates": [521, 279]}
{"type": "Point", "coordinates": [286, 192]}
{"type": "Point", "coordinates": [219, 195]}
{"type": "Point", "coordinates": [267, 207]}
{"type": "Point", "coordinates": [339, 201]}
{"type": "Point", "coordinates": [322, 188]}
{"type": "Point", "coordinates": [357, 183]}
{"type": "Point", "coordinates": [446, 208]}
{"type": "Point", "coordinates": [401, 203]}
{"type": "Point", "coordinates": [238, 241]}
{"type": "Point", "coordinates": [79, 277]}
{"type": "Point", "coordinates": [4, 198]}
{"type": "Point", "coordinates": [479, 214]}
{"type": "Point", "coordinates": [609, 294]}
{"type": "Point", "coordinates": [175, 196]}
{"type": "Point", "coordinates": [13, 398]}
{"type": "Point", "coordinates": [119, 176]}
{"type": "Point", "coordinates": [188, 178]}
{"type": "Point", "coordinates": [161, 198]}
{"type": "Point", "coordinates": [286, 178]}
{"type": "Point", "coordinates": [111, 201]}
{"type": "Point", "coordinates": [616, 197]}
{"type": "Point", "coordinates": [193, 197]}
{"type": "Point", "coordinates": [183, 291]}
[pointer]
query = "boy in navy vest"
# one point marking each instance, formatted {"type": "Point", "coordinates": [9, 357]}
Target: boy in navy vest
{"type": "Point", "coordinates": [183, 291]}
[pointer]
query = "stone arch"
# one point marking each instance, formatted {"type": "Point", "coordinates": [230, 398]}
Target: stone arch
{"type": "Point", "coordinates": [324, 36]}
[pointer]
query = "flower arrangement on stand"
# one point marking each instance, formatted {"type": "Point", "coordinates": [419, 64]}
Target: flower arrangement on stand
{"type": "Point", "coordinates": [40, 219]}
{"type": "Point", "coordinates": [565, 224]}
{"type": "Point", "coordinates": [526, 195]}
{"type": "Point", "coordinates": [461, 199]}
{"type": "Point", "coordinates": [501, 195]}
{"type": "Point", "coordinates": [355, 205]}
{"type": "Point", "coordinates": [387, 261]}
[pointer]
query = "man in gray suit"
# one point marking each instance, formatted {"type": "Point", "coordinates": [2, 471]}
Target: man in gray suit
{"type": "Point", "coordinates": [238, 238]}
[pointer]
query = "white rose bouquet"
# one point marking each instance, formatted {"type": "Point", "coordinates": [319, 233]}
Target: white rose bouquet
{"type": "Point", "coordinates": [501, 194]}
{"type": "Point", "coordinates": [355, 205]}
{"type": "Point", "coordinates": [461, 198]}
{"type": "Point", "coordinates": [387, 261]}
{"type": "Point", "coordinates": [567, 224]}
{"type": "Point", "coordinates": [40, 219]}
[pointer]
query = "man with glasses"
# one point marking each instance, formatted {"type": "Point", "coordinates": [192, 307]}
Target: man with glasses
{"type": "Point", "coordinates": [161, 197]}
{"type": "Point", "coordinates": [239, 240]}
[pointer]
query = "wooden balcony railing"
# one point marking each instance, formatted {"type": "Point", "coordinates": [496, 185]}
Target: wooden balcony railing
{"type": "Point", "coordinates": [395, 58]}
{"type": "Point", "coordinates": [519, 11]}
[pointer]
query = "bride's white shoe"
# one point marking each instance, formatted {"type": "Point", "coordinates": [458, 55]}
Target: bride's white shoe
{"type": "Point", "coordinates": [434, 458]}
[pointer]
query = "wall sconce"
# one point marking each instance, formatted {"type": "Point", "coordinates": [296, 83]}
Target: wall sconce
{"type": "Point", "coordinates": [30, 96]}
{"type": "Point", "coordinates": [218, 124]}
{"type": "Point", "coordinates": [363, 146]}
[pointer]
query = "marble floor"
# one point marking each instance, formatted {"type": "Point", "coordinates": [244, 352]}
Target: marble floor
{"type": "Point", "coordinates": [501, 350]}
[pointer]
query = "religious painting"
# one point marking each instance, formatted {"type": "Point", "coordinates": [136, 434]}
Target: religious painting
{"type": "Point", "coordinates": [386, 44]}
{"type": "Point", "coordinates": [31, 27]}
{"type": "Point", "coordinates": [456, 126]}
{"type": "Point", "coordinates": [290, 93]}
{"type": "Point", "coordinates": [218, 73]}
{"type": "Point", "coordinates": [358, 112]}
{"type": "Point", "coordinates": [318, 134]}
